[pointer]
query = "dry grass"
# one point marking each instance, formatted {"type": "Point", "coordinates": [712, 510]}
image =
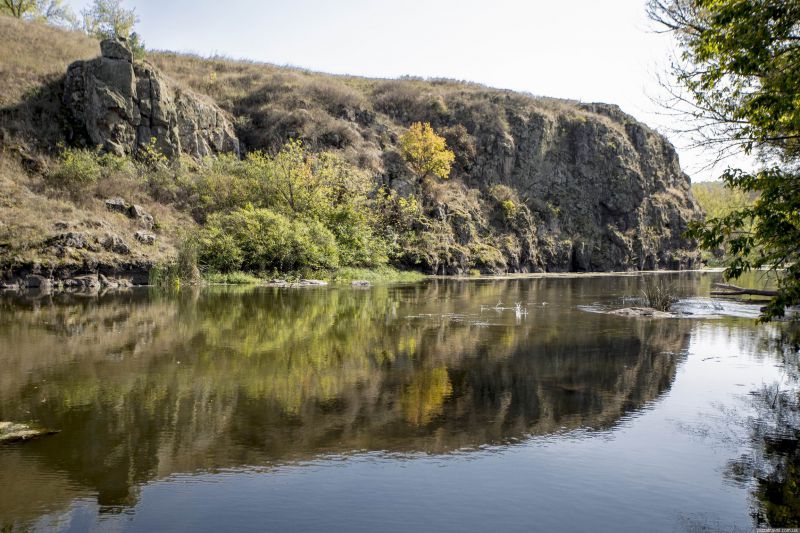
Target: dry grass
{"type": "Point", "coordinates": [271, 103]}
{"type": "Point", "coordinates": [659, 295]}
{"type": "Point", "coordinates": [348, 113]}
{"type": "Point", "coordinates": [29, 213]}
{"type": "Point", "coordinates": [33, 54]}
{"type": "Point", "coordinates": [33, 60]}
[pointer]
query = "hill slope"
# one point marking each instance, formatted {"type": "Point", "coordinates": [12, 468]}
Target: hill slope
{"type": "Point", "coordinates": [591, 188]}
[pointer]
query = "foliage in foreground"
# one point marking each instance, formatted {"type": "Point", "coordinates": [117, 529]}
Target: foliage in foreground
{"type": "Point", "coordinates": [717, 200]}
{"type": "Point", "coordinates": [739, 69]}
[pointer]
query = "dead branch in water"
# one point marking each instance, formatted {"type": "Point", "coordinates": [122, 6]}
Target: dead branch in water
{"type": "Point", "coordinates": [734, 290]}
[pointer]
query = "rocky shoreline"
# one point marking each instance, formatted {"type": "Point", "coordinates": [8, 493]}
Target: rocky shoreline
{"type": "Point", "coordinates": [85, 276]}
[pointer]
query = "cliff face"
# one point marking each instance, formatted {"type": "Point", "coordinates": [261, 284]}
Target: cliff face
{"type": "Point", "coordinates": [607, 192]}
{"type": "Point", "coordinates": [122, 105]}
{"type": "Point", "coordinates": [603, 191]}
{"type": "Point", "coordinates": [593, 189]}
{"type": "Point", "coordinates": [538, 184]}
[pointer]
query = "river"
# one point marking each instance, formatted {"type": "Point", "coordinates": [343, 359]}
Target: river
{"type": "Point", "coordinates": [444, 405]}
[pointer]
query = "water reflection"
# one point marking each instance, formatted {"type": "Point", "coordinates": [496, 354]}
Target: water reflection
{"type": "Point", "coordinates": [771, 467]}
{"type": "Point", "coordinates": [144, 385]}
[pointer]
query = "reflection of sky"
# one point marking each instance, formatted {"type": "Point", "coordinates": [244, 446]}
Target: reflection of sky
{"type": "Point", "coordinates": [660, 469]}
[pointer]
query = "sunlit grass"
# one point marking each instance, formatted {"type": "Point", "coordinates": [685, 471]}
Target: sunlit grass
{"type": "Point", "coordinates": [232, 278]}
{"type": "Point", "coordinates": [375, 275]}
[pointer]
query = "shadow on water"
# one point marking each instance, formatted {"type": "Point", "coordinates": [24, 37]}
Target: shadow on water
{"type": "Point", "coordinates": [144, 385]}
{"type": "Point", "coordinates": [772, 466]}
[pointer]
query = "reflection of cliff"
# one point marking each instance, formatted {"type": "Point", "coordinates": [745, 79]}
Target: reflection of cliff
{"type": "Point", "coordinates": [144, 385]}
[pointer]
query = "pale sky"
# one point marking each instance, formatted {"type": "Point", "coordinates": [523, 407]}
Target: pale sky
{"type": "Point", "coordinates": [587, 50]}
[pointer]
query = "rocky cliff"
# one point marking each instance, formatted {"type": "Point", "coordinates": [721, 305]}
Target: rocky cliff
{"type": "Point", "coordinates": [593, 189]}
{"type": "Point", "coordinates": [538, 184]}
{"type": "Point", "coordinates": [124, 105]}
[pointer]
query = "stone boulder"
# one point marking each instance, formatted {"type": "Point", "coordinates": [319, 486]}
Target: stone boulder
{"type": "Point", "coordinates": [89, 282]}
{"type": "Point", "coordinates": [70, 239]}
{"type": "Point", "coordinates": [15, 432]}
{"type": "Point", "coordinates": [133, 211]}
{"type": "Point", "coordinates": [34, 281]}
{"type": "Point", "coordinates": [118, 205]}
{"type": "Point", "coordinates": [145, 237]}
{"type": "Point", "coordinates": [123, 106]}
{"type": "Point", "coordinates": [115, 243]}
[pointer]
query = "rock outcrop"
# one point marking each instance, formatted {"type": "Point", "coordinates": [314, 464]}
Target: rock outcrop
{"type": "Point", "coordinates": [604, 191]}
{"type": "Point", "coordinates": [555, 187]}
{"type": "Point", "coordinates": [538, 184]}
{"type": "Point", "coordinates": [124, 105]}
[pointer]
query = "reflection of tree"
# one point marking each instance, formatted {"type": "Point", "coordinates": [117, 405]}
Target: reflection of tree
{"type": "Point", "coordinates": [424, 396]}
{"type": "Point", "coordinates": [775, 434]}
{"type": "Point", "coordinates": [147, 385]}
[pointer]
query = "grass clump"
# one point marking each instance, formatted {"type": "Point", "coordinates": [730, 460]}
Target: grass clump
{"type": "Point", "coordinates": [77, 170]}
{"type": "Point", "coordinates": [659, 295]}
{"type": "Point", "coordinates": [182, 271]}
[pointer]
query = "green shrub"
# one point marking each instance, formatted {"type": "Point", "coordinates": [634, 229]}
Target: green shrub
{"type": "Point", "coordinates": [79, 168]}
{"type": "Point", "coordinates": [260, 240]}
{"type": "Point", "coordinates": [313, 245]}
{"type": "Point", "coordinates": [358, 244]}
{"type": "Point", "coordinates": [76, 169]}
{"type": "Point", "coordinates": [509, 209]}
{"type": "Point", "coordinates": [486, 256]}
{"type": "Point", "coordinates": [215, 192]}
{"type": "Point", "coordinates": [219, 251]}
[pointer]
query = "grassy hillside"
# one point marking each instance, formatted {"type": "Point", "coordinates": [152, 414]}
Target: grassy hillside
{"type": "Point", "coordinates": [537, 183]}
{"type": "Point", "coordinates": [360, 116]}
{"type": "Point", "coordinates": [33, 60]}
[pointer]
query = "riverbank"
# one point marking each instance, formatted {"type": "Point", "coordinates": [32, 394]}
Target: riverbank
{"type": "Point", "coordinates": [343, 275]}
{"type": "Point", "coordinates": [140, 276]}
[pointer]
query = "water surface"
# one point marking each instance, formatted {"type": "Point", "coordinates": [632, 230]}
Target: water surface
{"type": "Point", "coordinates": [434, 406]}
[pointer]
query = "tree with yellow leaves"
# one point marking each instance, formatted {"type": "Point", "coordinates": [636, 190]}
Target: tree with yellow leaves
{"type": "Point", "coordinates": [426, 152]}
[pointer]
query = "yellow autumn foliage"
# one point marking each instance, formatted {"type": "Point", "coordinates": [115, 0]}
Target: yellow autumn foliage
{"type": "Point", "coordinates": [426, 152]}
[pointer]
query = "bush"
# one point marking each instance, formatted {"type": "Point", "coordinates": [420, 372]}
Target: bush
{"type": "Point", "coordinates": [313, 245]}
{"type": "Point", "coordinates": [358, 244]}
{"type": "Point", "coordinates": [219, 251]}
{"type": "Point", "coordinates": [183, 270]}
{"type": "Point", "coordinates": [260, 240]}
{"type": "Point", "coordinates": [76, 169]}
